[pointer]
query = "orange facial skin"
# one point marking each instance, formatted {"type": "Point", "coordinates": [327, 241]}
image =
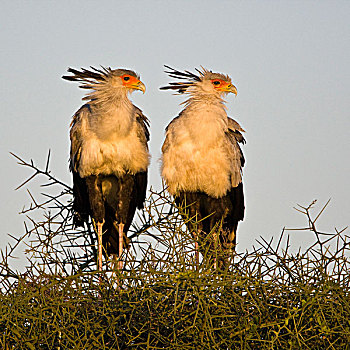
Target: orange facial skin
{"type": "Point", "coordinates": [132, 82]}
{"type": "Point", "coordinates": [222, 85]}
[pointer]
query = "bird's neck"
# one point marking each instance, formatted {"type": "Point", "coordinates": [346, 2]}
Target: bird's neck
{"type": "Point", "coordinates": [113, 116]}
{"type": "Point", "coordinates": [201, 98]}
{"type": "Point", "coordinates": [206, 102]}
{"type": "Point", "coordinates": [108, 100]}
{"type": "Point", "coordinates": [205, 119]}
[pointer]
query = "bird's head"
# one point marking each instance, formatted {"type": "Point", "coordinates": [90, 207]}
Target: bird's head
{"type": "Point", "coordinates": [205, 81]}
{"type": "Point", "coordinates": [221, 84]}
{"type": "Point", "coordinates": [106, 83]}
{"type": "Point", "coordinates": [127, 79]}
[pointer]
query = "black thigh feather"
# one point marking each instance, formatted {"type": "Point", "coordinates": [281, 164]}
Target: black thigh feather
{"type": "Point", "coordinates": [206, 212]}
{"type": "Point", "coordinates": [109, 199]}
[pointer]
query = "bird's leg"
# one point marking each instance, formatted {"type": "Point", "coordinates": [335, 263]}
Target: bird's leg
{"type": "Point", "coordinates": [99, 244]}
{"type": "Point", "coordinates": [231, 245]}
{"type": "Point", "coordinates": [197, 232]}
{"type": "Point", "coordinates": [121, 236]}
{"type": "Point", "coordinates": [117, 262]}
{"type": "Point", "coordinates": [99, 236]}
{"type": "Point", "coordinates": [231, 240]}
{"type": "Point", "coordinates": [99, 231]}
{"type": "Point", "coordinates": [94, 189]}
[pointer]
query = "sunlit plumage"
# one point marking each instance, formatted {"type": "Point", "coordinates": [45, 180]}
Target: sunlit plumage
{"type": "Point", "coordinates": [201, 157]}
{"type": "Point", "coordinates": [109, 155]}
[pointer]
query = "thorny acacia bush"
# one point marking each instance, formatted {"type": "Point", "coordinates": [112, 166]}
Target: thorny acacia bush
{"type": "Point", "coordinates": [268, 298]}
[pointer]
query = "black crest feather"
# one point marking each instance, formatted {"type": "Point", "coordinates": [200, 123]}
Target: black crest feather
{"type": "Point", "coordinates": [181, 87]}
{"type": "Point", "coordinates": [85, 75]}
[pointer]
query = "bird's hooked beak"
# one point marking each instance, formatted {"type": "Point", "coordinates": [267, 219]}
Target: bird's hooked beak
{"type": "Point", "coordinates": [139, 85]}
{"type": "Point", "coordinates": [230, 88]}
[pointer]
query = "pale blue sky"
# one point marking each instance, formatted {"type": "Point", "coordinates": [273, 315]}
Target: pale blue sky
{"type": "Point", "coordinates": [289, 60]}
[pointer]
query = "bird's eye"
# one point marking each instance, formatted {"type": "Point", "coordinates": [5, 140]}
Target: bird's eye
{"type": "Point", "coordinates": [216, 82]}
{"type": "Point", "coordinates": [126, 78]}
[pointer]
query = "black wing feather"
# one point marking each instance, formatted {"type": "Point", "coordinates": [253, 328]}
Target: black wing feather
{"type": "Point", "coordinates": [81, 206]}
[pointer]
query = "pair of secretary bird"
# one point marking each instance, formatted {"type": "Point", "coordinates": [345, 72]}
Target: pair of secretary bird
{"type": "Point", "coordinates": [201, 157]}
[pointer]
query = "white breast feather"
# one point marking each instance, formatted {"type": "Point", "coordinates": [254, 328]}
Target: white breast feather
{"type": "Point", "coordinates": [110, 145]}
{"type": "Point", "coordinates": [199, 156]}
